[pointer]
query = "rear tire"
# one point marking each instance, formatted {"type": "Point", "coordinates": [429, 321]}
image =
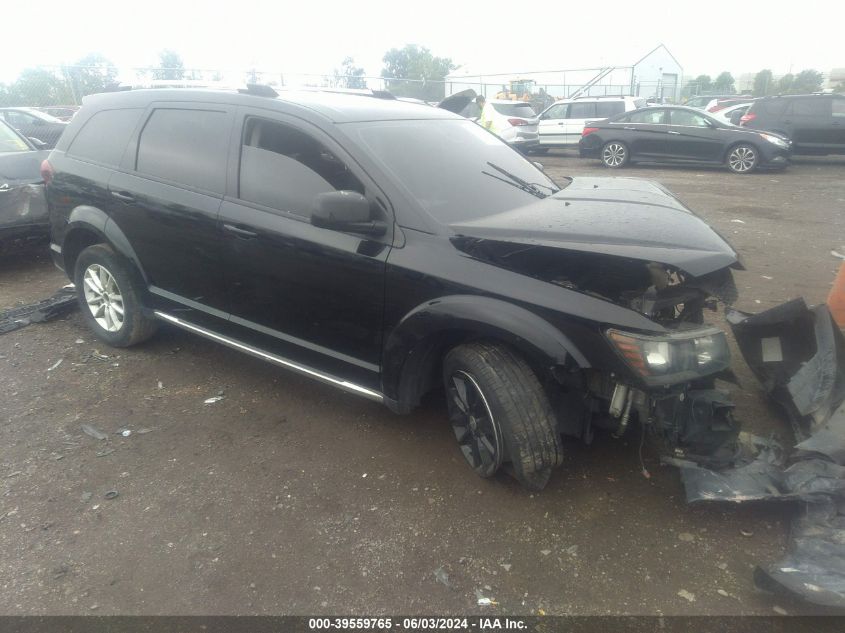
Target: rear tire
{"type": "Point", "coordinates": [109, 290]}
{"type": "Point", "coordinates": [742, 158]}
{"type": "Point", "coordinates": [614, 155]}
{"type": "Point", "coordinates": [500, 413]}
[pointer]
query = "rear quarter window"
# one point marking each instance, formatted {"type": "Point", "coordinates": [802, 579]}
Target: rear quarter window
{"type": "Point", "coordinates": [105, 135]}
{"type": "Point", "coordinates": [189, 147]}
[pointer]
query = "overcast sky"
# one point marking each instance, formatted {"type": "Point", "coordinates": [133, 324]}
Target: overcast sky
{"type": "Point", "coordinates": [313, 37]}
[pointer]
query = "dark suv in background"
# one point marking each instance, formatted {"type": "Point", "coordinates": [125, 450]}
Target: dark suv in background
{"type": "Point", "coordinates": [815, 123]}
{"type": "Point", "coordinates": [390, 249]}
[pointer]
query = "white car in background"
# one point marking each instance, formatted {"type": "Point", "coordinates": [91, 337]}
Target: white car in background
{"type": "Point", "coordinates": [515, 122]}
{"type": "Point", "coordinates": [731, 114]}
{"type": "Point", "coordinates": [562, 123]}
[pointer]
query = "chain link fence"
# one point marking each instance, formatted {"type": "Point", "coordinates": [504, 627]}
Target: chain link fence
{"type": "Point", "coordinates": [55, 86]}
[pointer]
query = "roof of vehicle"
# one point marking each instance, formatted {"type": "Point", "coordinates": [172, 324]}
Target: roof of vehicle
{"type": "Point", "coordinates": [337, 107]}
{"type": "Point", "coordinates": [803, 96]}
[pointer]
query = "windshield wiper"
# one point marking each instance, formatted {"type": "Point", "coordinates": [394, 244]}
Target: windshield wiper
{"type": "Point", "coordinates": [516, 181]}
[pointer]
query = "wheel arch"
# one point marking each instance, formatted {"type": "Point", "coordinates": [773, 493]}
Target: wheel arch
{"type": "Point", "coordinates": [735, 144]}
{"type": "Point", "coordinates": [414, 349]}
{"type": "Point", "coordinates": [89, 225]}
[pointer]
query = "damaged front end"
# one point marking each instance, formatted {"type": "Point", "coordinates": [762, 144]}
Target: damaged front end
{"type": "Point", "coordinates": [633, 244]}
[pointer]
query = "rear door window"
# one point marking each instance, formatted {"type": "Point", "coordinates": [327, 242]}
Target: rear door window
{"type": "Point", "coordinates": [689, 119]}
{"type": "Point", "coordinates": [186, 146]}
{"type": "Point", "coordinates": [105, 135]}
{"type": "Point", "coordinates": [582, 110]}
{"type": "Point", "coordinates": [839, 107]}
{"type": "Point", "coordinates": [605, 109]}
{"type": "Point", "coordinates": [284, 168]}
{"type": "Point", "coordinates": [652, 116]}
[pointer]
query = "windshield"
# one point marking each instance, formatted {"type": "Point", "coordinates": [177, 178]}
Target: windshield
{"type": "Point", "coordinates": [10, 141]}
{"type": "Point", "coordinates": [445, 165]}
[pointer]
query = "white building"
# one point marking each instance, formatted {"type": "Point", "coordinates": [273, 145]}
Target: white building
{"type": "Point", "coordinates": [657, 74]}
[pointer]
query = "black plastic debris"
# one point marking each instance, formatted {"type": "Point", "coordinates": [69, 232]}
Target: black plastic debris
{"type": "Point", "coordinates": [60, 304]}
{"type": "Point", "coordinates": [798, 354]}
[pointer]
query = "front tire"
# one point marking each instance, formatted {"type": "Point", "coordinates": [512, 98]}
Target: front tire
{"type": "Point", "coordinates": [500, 413]}
{"type": "Point", "coordinates": [615, 155]}
{"type": "Point", "coordinates": [742, 158]}
{"type": "Point", "coordinates": [109, 293]}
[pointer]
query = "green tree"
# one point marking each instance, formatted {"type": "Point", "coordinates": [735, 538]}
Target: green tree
{"type": "Point", "coordinates": [170, 65]}
{"type": "Point", "coordinates": [36, 87]}
{"type": "Point", "coordinates": [416, 63]}
{"type": "Point", "coordinates": [91, 74]}
{"type": "Point", "coordinates": [725, 83]}
{"type": "Point", "coordinates": [700, 85]}
{"type": "Point", "coordinates": [349, 75]}
{"type": "Point", "coordinates": [785, 84]}
{"type": "Point", "coordinates": [809, 80]}
{"type": "Point", "coordinates": [764, 83]}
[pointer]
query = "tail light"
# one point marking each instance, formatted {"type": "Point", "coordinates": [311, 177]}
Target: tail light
{"type": "Point", "coordinates": [588, 130]}
{"type": "Point", "coordinates": [517, 122]}
{"type": "Point", "coordinates": [46, 172]}
{"type": "Point", "coordinates": [746, 118]}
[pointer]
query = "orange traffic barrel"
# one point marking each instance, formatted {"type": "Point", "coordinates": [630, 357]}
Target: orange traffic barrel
{"type": "Point", "coordinates": [836, 298]}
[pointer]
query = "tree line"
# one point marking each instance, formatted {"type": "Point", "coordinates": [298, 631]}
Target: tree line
{"type": "Point", "coordinates": [765, 84]}
{"type": "Point", "coordinates": [411, 71]}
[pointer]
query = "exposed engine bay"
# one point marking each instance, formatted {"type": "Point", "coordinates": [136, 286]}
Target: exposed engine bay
{"type": "Point", "coordinates": [663, 293]}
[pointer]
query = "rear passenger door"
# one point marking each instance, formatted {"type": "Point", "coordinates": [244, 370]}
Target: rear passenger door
{"type": "Point", "coordinates": [579, 113]}
{"type": "Point", "coordinates": [646, 133]}
{"type": "Point", "coordinates": [311, 295]}
{"type": "Point", "coordinates": [166, 200]}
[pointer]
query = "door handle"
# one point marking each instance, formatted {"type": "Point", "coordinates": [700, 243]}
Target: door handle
{"type": "Point", "coordinates": [561, 124]}
{"type": "Point", "coordinates": [239, 232]}
{"type": "Point", "coordinates": [632, 129]}
{"type": "Point", "coordinates": [123, 196]}
{"type": "Point", "coordinates": [673, 132]}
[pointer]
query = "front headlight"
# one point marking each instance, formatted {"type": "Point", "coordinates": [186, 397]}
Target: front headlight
{"type": "Point", "coordinates": [775, 140]}
{"type": "Point", "coordinates": [675, 357]}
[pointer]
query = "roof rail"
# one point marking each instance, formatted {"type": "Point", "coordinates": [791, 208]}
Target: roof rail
{"type": "Point", "coordinates": [601, 97]}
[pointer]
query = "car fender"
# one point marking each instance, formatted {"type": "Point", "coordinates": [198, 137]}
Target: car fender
{"type": "Point", "coordinates": [424, 334]}
{"type": "Point", "coordinates": [96, 221]}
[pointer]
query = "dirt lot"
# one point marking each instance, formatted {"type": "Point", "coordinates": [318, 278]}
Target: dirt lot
{"type": "Point", "coordinates": [288, 497]}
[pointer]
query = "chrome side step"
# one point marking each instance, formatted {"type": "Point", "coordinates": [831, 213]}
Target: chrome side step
{"type": "Point", "coordinates": [254, 351]}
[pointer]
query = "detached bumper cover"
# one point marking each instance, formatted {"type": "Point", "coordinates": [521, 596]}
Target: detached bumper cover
{"type": "Point", "coordinates": [798, 353]}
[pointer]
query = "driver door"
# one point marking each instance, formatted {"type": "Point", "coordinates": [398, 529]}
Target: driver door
{"type": "Point", "coordinates": [311, 295]}
{"type": "Point", "coordinates": [551, 125]}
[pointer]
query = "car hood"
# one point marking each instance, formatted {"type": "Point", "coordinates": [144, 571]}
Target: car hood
{"type": "Point", "coordinates": [21, 167]}
{"type": "Point", "coordinates": [623, 217]}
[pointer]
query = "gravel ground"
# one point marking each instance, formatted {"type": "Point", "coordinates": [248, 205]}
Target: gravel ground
{"type": "Point", "coordinates": [288, 497]}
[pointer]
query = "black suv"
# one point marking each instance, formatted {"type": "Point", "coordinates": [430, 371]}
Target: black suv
{"type": "Point", "coordinates": [390, 248]}
{"type": "Point", "coordinates": [815, 123]}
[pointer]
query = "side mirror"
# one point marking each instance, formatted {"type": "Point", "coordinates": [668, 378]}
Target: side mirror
{"type": "Point", "coordinates": [345, 211]}
{"type": "Point", "coordinates": [538, 165]}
